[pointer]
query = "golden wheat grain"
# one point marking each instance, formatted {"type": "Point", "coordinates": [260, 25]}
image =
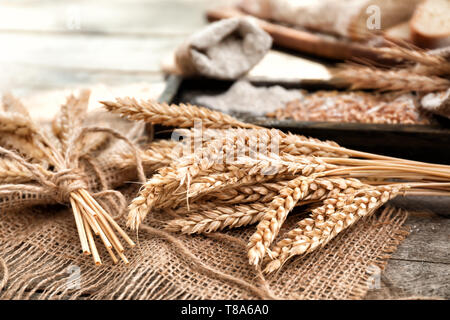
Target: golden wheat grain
{"type": "Point", "coordinates": [206, 219]}
{"type": "Point", "coordinates": [207, 176]}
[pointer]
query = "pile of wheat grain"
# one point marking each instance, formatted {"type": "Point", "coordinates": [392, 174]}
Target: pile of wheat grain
{"type": "Point", "coordinates": [228, 174]}
{"type": "Point", "coordinates": [359, 106]}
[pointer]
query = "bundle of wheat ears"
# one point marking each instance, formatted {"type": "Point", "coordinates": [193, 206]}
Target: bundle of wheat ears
{"type": "Point", "coordinates": [225, 174]}
{"type": "Point", "coordinates": [42, 167]}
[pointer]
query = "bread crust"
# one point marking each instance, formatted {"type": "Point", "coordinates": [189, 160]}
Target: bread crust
{"type": "Point", "coordinates": [426, 40]}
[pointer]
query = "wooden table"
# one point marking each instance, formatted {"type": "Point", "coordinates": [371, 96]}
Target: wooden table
{"type": "Point", "coordinates": [55, 45]}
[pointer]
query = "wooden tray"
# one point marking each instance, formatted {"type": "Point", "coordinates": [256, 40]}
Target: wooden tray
{"type": "Point", "coordinates": [416, 142]}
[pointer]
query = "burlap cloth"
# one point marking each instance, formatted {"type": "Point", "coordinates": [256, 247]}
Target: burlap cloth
{"type": "Point", "coordinates": [225, 49]}
{"type": "Point", "coordinates": [40, 250]}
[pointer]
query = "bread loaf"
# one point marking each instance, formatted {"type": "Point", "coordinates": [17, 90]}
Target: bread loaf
{"type": "Point", "coordinates": [347, 18]}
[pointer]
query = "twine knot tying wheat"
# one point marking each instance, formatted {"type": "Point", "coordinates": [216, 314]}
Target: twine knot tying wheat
{"type": "Point", "coordinates": [58, 170]}
{"type": "Point", "coordinates": [66, 182]}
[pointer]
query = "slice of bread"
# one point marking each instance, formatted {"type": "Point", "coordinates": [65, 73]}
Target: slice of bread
{"type": "Point", "coordinates": [430, 24]}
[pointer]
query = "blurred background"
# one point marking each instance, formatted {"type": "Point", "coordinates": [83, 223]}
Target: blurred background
{"type": "Point", "coordinates": [52, 47]}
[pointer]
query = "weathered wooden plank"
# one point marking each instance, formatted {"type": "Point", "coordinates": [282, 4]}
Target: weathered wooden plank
{"type": "Point", "coordinates": [154, 17]}
{"type": "Point", "coordinates": [86, 52]}
{"type": "Point", "coordinates": [24, 79]}
{"type": "Point", "coordinates": [411, 279]}
{"type": "Point", "coordinates": [429, 238]}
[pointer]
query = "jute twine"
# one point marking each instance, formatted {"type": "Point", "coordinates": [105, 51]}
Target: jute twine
{"type": "Point", "coordinates": [61, 184]}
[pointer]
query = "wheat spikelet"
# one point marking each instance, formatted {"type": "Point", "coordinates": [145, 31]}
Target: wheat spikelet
{"type": "Point", "coordinates": [165, 190]}
{"type": "Point", "coordinates": [328, 221]}
{"type": "Point", "coordinates": [361, 77]}
{"type": "Point", "coordinates": [13, 104]}
{"type": "Point", "coordinates": [206, 219]}
{"type": "Point", "coordinates": [307, 190]}
{"type": "Point", "coordinates": [70, 116]}
{"type": "Point", "coordinates": [274, 217]}
{"type": "Point", "coordinates": [259, 192]}
{"type": "Point", "coordinates": [183, 116]}
{"type": "Point", "coordinates": [23, 146]}
{"type": "Point", "coordinates": [12, 172]}
{"type": "Point", "coordinates": [214, 215]}
{"type": "Point", "coordinates": [16, 123]}
{"type": "Point", "coordinates": [156, 155]}
{"type": "Point", "coordinates": [264, 140]}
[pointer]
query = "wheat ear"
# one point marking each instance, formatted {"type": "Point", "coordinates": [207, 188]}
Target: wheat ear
{"type": "Point", "coordinates": [274, 217]}
{"type": "Point", "coordinates": [205, 220]}
{"type": "Point", "coordinates": [13, 104]}
{"type": "Point", "coordinates": [361, 77]}
{"type": "Point", "coordinates": [183, 115]}
{"type": "Point", "coordinates": [316, 232]}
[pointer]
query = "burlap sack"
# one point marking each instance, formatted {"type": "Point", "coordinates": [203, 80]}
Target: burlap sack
{"type": "Point", "coordinates": [225, 49]}
{"type": "Point", "coordinates": [437, 103]}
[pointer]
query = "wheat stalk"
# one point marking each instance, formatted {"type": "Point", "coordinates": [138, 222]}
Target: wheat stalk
{"type": "Point", "coordinates": [183, 116]}
{"type": "Point", "coordinates": [361, 77]}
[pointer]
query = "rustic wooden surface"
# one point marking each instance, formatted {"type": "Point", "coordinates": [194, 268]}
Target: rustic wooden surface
{"type": "Point", "coordinates": [56, 45]}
